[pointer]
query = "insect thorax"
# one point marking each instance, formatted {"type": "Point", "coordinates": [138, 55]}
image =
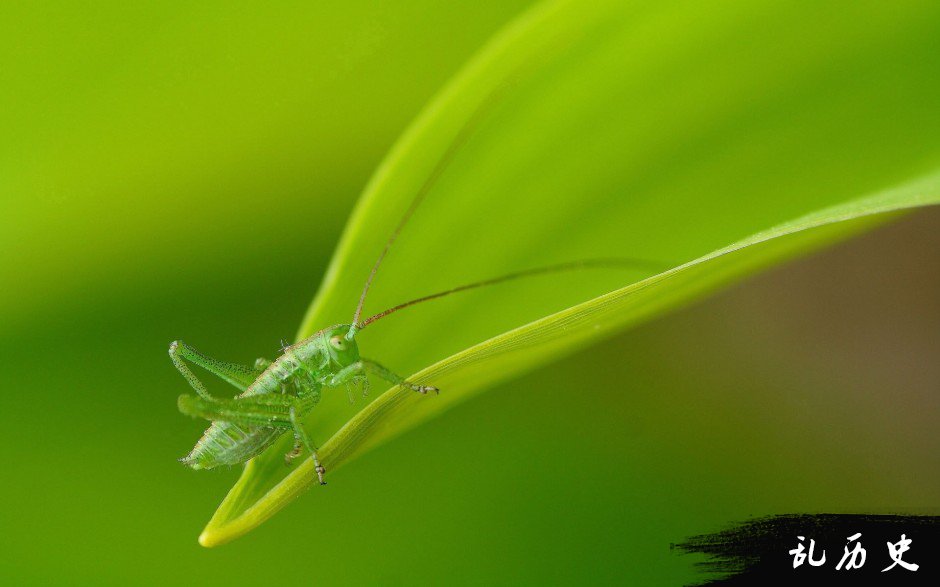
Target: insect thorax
{"type": "Point", "coordinates": [326, 352]}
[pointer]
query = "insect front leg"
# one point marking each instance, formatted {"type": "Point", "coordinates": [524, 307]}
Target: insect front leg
{"type": "Point", "coordinates": [355, 374]}
{"type": "Point", "coordinates": [364, 385]}
{"type": "Point", "coordinates": [392, 377]}
{"type": "Point", "coordinates": [300, 435]}
{"type": "Point", "coordinates": [241, 376]}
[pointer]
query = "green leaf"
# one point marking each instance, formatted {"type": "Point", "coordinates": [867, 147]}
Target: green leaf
{"type": "Point", "coordinates": [663, 132]}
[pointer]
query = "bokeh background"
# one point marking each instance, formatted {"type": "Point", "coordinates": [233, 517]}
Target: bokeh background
{"type": "Point", "coordinates": [176, 171]}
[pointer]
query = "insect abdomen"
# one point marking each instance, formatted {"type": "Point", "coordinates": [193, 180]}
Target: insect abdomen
{"type": "Point", "coordinates": [225, 443]}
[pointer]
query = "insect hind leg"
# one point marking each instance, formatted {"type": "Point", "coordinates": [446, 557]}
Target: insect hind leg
{"type": "Point", "coordinates": [241, 376]}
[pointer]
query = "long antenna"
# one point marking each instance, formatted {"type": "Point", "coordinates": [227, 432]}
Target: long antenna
{"type": "Point", "coordinates": [620, 262]}
{"type": "Point", "coordinates": [462, 135]}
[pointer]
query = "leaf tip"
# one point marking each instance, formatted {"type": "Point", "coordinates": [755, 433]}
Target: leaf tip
{"type": "Point", "coordinates": [214, 535]}
{"type": "Point", "coordinates": [209, 539]}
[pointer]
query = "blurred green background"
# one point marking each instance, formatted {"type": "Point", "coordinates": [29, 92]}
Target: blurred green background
{"type": "Point", "coordinates": [176, 171]}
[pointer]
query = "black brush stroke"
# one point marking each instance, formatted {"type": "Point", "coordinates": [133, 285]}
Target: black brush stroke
{"type": "Point", "coordinates": [756, 552]}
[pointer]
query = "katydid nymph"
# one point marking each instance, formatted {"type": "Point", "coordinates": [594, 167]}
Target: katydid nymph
{"type": "Point", "coordinates": [277, 396]}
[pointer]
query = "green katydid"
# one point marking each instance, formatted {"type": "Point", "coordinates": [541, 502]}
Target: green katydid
{"type": "Point", "coordinates": [278, 395]}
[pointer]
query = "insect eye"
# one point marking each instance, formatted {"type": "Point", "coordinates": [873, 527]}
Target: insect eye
{"type": "Point", "coordinates": [337, 342]}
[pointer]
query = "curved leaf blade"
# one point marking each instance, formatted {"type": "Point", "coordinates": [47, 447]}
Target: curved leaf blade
{"type": "Point", "coordinates": [779, 124]}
